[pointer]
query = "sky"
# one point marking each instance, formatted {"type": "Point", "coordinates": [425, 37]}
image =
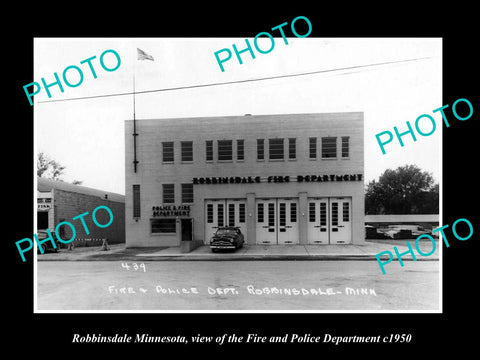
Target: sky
{"type": "Point", "coordinates": [87, 136]}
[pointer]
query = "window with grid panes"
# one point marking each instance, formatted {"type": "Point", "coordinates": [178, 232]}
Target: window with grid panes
{"type": "Point", "coordinates": [292, 149]}
{"type": "Point", "coordinates": [209, 150]}
{"type": "Point", "coordinates": [187, 150]}
{"type": "Point", "coordinates": [187, 193]}
{"type": "Point", "coordinates": [240, 150]}
{"type": "Point", "coordinates": [167, 151]}
{"type": "Point", "coordinates": [275, 149]}
{"type": "Point", "coordinates": [225, 150]}
{"type": "Point", "coordinates": [312, 147]}
{"type": "Point", "coordinates": [260, 149]}
{"type": "Point", "coordinates": [168, 193]}
{"type": "Point", "coordinates": [345, 147]}
{"type": "Point", "coordinates": [329, 147]}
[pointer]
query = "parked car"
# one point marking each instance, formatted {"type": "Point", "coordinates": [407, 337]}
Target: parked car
{"type": "Point", "coordinates": [228, 237]}
{"type": "Point", "coordinates": [47, 245]}
{"type": "Point", "coordinates": [372, 233]}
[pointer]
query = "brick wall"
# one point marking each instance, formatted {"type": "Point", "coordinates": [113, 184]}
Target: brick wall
{"type": "Point", "coordinates": [68, 205]}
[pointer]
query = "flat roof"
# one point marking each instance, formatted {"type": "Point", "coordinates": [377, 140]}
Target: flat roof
{"type": "Point", "coordinates": [44, 185]}
{"type": "Point", "coordinates": [253, 117]}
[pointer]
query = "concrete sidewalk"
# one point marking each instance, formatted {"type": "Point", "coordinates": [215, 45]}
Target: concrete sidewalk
{"type": "Point", "coordinates": [118, 252]}
{"type": "Point", "coordinates": [287, 252]}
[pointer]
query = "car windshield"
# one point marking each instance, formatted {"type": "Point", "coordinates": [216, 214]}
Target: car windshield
{"type": "Point", "coordinates": [226, 232]}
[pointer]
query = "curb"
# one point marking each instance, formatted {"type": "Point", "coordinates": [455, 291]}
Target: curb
{"type": "Point", "coordinates": [115, 257]}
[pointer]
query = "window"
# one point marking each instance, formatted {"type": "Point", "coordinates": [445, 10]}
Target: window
{"type": "Point", "coordinates": [346, 212]}
{"type": "Point", "coordinates": [231, 214]}
{"type": "Point", "coordinates": [187, 193]}
{"type": "Point", "coordinates": [311, 212]}
{"type": "Point", "coordinates": [167, 151]}
{"type": "Point", "coordinates": [209, 150]}
{"type": "Point", "coordinates": [187, 150]}
{"type": "Point", "coordinates": [293, 212]}
{"type": "Point", "coordinates": [220, 215]}
{"type": "Point", "coordinates": [260, 149]}
{"type": "Point", "coordinates": [225, 150]}
{"type": "Point", "coordinates": [283, 217]}
{"type": "Point", "coordinates": [334, 213]}
{"type": "Point", "coordinates": [329, 147]}
{"type": "Point", "coordinates": [168, 193]}
{"type": "Point", "coordinates": [275, 149]}
{"type": "Point", "coordinates": [345, 147]}
{"type": "Point", "coordinates": [240, 149]}
{"type": "Point", "coordinates": [210, 213]}
{"type": "Point", "coordinates": [136, 201]}
{"type": "Point", "coordinates": [271, 217]}
{"type": "Point", "coordinates": [241, 213]}
{"type": "Point", "coordinates": [292, 149]}
{"type": "Point", "coordinates": [162, 226]}
{"type": "Point", "coordinates": [313, 148]}
{"type": "Point", "coordinates": [260, 213]}
{"type": "Point", "coordinates": [323, 214]}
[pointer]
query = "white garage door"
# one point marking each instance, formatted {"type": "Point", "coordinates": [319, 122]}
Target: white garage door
{"type": "Point", "coordinates": [277, 221]}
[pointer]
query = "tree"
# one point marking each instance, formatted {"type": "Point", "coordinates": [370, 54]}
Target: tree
{"type": "Point", "coordinates": [405, 190]}
{"type": "Point", "coordinates": [51, 169]}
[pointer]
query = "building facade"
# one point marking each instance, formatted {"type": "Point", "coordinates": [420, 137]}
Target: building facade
{"type": "Point", "coordinates": [282, 179]}
{"type": "Point", "coordinates": [58, 201]}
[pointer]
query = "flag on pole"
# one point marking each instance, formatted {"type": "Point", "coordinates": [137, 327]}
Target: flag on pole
{"type": "Point", "coordinates": [142, 55]}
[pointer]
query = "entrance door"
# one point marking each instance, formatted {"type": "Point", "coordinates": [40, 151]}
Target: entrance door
{"type": "Point", "coordinates": [287, 221]}
{"type": "Point", "coordinates": [42, 220]}
{"type": "Point", "coordinates": [215, 217]}
{"type": "Point", "coordinates": [187, 229]}
{"type": "Point", "coordinates": [318, 221]}
{"type": "Point", "coordinates": [235, 215]}
{"type": "Point", "coordinates": [266, 227]}
{"type": "Point", "coordinates": [340, 221]}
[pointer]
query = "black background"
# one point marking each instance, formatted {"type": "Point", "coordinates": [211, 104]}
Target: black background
{"type": "Point", "coordinates": [52, 333]}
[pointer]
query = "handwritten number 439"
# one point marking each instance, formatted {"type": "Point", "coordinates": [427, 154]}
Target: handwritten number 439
{"type": "Point", "coordinates": [134, 266]}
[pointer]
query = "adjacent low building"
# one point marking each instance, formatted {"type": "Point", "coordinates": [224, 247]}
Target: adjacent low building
{"type": "Point", "coordinates": [58, 201]}
{"type": "Point", "coordinates": [282, 179]}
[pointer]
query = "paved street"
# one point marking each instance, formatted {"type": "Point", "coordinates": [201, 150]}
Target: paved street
{"type": "Point", "coordinates": [237, 285]}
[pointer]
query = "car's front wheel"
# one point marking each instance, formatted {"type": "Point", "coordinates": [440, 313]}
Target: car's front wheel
{"type": "Point", "coordinates": [44, 248]}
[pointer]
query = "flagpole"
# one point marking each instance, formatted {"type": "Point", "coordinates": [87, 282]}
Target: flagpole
{"type": "Point", "coordinates": [141, 55]}
{"type": "Point", "coordinates": [135, 162]}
